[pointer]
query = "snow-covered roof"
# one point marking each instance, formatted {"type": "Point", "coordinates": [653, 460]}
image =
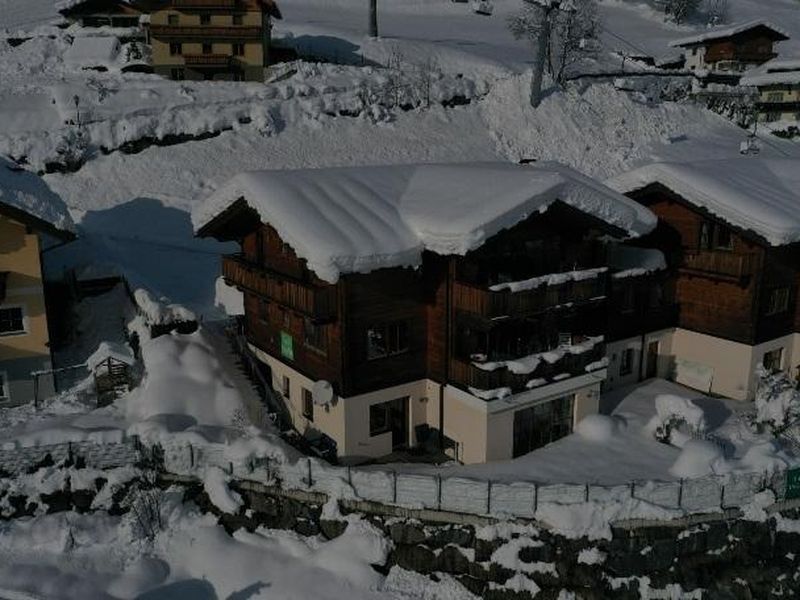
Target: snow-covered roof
{"type": "Point", "coordinates": [761, 195]}
{"type": "Point", "coordinates": [724, 32]}
{"type": "Point", "coordinates": [775, 72]}
{"type": "Point", "coordinates": [357, 219]}
{"type": "Point", "coordinates": [629, 261]}
{"type": "Point", "coordinates": [92, 51]}
{"type": "Point", "coordinates": [26, 192]}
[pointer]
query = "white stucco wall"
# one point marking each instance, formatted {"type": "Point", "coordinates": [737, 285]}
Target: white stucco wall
{"type": "Point", "coordinates": [614, 351]}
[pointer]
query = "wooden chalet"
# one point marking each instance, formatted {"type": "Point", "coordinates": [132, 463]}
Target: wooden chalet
{"type": "Point", "coordinates": [105, 13]}
{"type": "Point", "coordinates": [734, 49]}
{"type": "Point", "coordinates": [736, 276]}
{"type": "Point", "coordinates": [486, 353]}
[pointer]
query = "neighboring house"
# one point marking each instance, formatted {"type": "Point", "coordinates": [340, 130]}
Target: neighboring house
{"type": "Point", "coordinates": [32, 217]}
{"type": "Point", "coordinates": [730, 230]}
{"type": "Point", "coordinates": [778, 84]}
{"type": "Point", "coordinates": [642, 315]}
{"type": "Point", "coordinates": [458, 305]}
{"type": "Point", "coordinates": [102, 13]}
{"type": "Point", "coordinates": [731, 49]}
{"type": "Point", "coordinates": [211, 39]}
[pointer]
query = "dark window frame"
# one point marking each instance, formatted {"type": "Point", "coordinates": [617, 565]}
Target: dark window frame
{"type": "Point", "coordinates": [315, 336]}
{"type": "Point", "coordinates": [308, 404]}
{"type": "Point", "coordinates": [175, 49]}
{"type": "Point", "coordinates": [173, 19]}
{"type": "Point", "coordinates": [778, 301]}
{"type": "Point", "coordinates": [626, 359]}
{"type": "Point", "coordinates": [208, 48]}
{"type": "Point", "coordinates": [393, 335]}
{"type": "Point", "coordinates": [380, 418]}
{"type": "Point", "coordinates": [12, 323]}
{"type": "Point", "coordinates": [205, 19]}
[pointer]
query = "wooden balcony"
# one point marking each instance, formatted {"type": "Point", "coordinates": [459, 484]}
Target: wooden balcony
{"type": "Point", "coordinates": [319, 303]}
{"type": "Point", "coordinates": [206, 32]}
{"type": "Point", "coordinates": [719, 263]}
{"type": "Point", "coordinates": [490, 304]}
{"type": "Point", "coordinates": [208, 60]}
{"type": "Point", "coordinates": [467, 374]}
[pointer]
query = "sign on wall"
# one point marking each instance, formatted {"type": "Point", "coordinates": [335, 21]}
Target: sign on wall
{"type": "Point", "coordinates": [287, 345]}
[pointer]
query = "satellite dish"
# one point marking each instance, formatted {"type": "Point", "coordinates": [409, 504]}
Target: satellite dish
{"type": "Point", "coordinates": [322, 393]}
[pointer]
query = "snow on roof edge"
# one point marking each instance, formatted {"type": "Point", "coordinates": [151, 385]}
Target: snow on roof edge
{"type": "Point", "coordinates": [358, 219]}
{"type": "Point", "coordinates": [725, 32]}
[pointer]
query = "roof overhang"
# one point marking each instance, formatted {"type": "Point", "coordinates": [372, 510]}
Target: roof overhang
{"type": "Point", "coordinates": [36, 223]}
{"type": "Point", "coordinates": [233, 223]}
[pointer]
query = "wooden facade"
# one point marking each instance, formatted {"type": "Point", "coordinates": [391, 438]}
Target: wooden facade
{"type": "Point", "coordinates": [729, 283]}
{"type": "Point", "coordinates": [440, 321]}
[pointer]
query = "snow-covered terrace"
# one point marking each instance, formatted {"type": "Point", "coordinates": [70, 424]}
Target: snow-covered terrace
{"type": "Point", "coordinates": [358, 219]}
{"type": "Point", "coordinates": [760, 195]}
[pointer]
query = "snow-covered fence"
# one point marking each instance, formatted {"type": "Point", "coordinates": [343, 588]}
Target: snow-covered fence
{"type": "Point", "coordinates": [477, 497]}
{"type": "Point", "coordinates": [97, 455]}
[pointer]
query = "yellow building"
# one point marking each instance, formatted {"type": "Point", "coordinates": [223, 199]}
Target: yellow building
{"type": "Point", "coordinates": [32, 218]}
{"type": "Point", "coordinates": [211, 39]}
{"type": "Point", "coordinates": [778, 84]}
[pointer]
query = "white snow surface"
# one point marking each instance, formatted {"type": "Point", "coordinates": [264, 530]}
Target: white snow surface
{"type": "Point", "coordinates": [358, 219]}
{"type": "Point", "coordinates": [92, 51]}
{"type": "Point", "coordinates": [724, 32]}
{"type": "Point", "coordinates": [775, 72]}
{"type": "Point", "coordinates": [756, 194]}
{"type": "Point", "coordinates": [26, 191]}
{"type": "Point", "coordinates": [551, 279]}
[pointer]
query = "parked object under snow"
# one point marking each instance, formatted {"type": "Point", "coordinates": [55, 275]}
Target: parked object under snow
{"type": "Point", "coordinates": [752, 193]}
{"type": "Point", "coordinates": [358, 219]}
{"type": "Point", "coordinates": [92, 52]}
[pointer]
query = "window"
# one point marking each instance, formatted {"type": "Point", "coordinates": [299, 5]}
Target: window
{"type": "Point", "coordinates": [387, 339]}
{"type": "Point", "coordinates": [314, 335]}
{"type": "Point", "coordinates": [775, 97]}
{"type": "Point", "coordinates": [177, 74]}
{"type": "Point", "coordinates": [714, 236]}
{"type": "Point", "coordinates": [205, 19]}
{"type": "Point", "coordinates": [626, 362]}
{"type": "Point", "coordinates": [380, 418]}
{"type": "Point", "coordinates": [5, 393]}
{"type": "Point", "coordinates": [207, 49]}
{"type": "Point", "coordinates": [772, 116]}
{"type": "Point", "coordinates": [628, 300]}
{"type": "Point", "coordinates": [542, 424]}
{"type": "Point", "coordinates": [12, 320]}
{"type": "Point", "coordinates": [172, 19]}
{"type": "Point", "coordinates": [308, 405]}
{"type": "Point", "coordinates": [773, 360]}
{"type": "Point", "coordinates": [564, 339]}
{"type": "Point", "coordinates": [175, 49]}
{"type": "Point", "coordinates": [724, 239]}
{"type": "Point", "coordinates": [238, 49]}
{"type": "Point", "coordinates": [705, 236]}
{"type": "Point", "coordinates": [263, 311]}
{"type": "Point", "coordinates": [778, 301]}
{"type": "Point", "coordinates": [286, 388]}
{"type": "Point", "coordinates": [286, 318]}
{"type": "Point", "coordinates": [237, 19]}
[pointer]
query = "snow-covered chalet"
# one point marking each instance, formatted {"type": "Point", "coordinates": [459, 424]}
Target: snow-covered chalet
{"type": "Point", "coordinates": [32, 218]}
{"type": "Point", "coordinates": [730, 232]}
{"type": "Point", "coordinates": [460, 307]}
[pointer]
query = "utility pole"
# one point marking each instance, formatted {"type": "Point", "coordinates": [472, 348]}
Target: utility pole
{"type": "Point", "coordinates": [373, 18]}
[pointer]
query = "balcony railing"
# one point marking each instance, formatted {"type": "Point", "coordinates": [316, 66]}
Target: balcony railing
{"type": "Point", "coordinates": [319, 303]}
{"type": "Point", "coordinates": [208, 60]}
{"type": "Point", "coordinates": [721, 264]}
{"type": "Point", "coordinates": [490, 304]}
{"type": "Point", "coordinates": [468, 374]}
{"type": "Point", "coordinates": [203, 32]}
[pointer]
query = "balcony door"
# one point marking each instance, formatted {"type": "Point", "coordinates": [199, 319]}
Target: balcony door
{"type": "Point", "coordinates": [542, 424]}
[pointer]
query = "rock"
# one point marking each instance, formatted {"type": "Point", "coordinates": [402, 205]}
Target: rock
{"type": "Point", "coordinates": [332, 529]}
{"type": "Point", "coordinates": [452, 560]}
{"type": "Point", "coordinates": [306, 528]}
{"type": "Point", "coordinates": [475, 586]}
{"type": "Point", "coordinates": [485, 548]}
{"type": "Point", "coordinates": [406, 533]}
{"type": "Point", "coordinates": [82, 500]}
{"type": "Point", "coordinates": [532, 554]}
{"type": "Point", "coordinates": [418, 558]}
{"type": "Point", "coordinates": [454, 534]}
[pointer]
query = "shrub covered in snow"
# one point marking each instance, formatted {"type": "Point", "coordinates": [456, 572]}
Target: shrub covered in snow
{"type": "Point", "coordinates": [677, 419]}
{"type": "Point", "coordinates": [777, 401]}
{"type": "Point", "coordinates": [597, 428]}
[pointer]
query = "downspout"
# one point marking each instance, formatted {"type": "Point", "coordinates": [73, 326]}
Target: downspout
{"type": "Point", "coordinates": [447, 331]}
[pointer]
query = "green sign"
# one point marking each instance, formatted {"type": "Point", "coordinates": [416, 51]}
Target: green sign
{"type": "Point", "coordinates": [793, 484]}
{"type": "Point", "coordinates": [287, 346]}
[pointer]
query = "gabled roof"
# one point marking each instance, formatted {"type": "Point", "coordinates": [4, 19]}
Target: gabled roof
{"type": "Point", "coordinates": [715, 34]}
{"type": "Point", "coordinates": [759, 195]}
{"type": "Point", "coordinates": [357, 219]}
{"type": "Point", "coordinates": [25, 197]}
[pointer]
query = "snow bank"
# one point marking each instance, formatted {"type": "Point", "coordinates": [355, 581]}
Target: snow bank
{"type": "Point", "coordinates": [597, 428]}
{"type": "Point", "coordinates": [26, 191]}
{"type": "Point", "coordinates": [92, 52]}
{"type": "Point", "coordinates": [697, 459]}
{"type": "Point", "coordinates": [358, 219]}
{"type": "Point", "coordinates": [215, 483]}
{"type": "Point", "coordinates": [756, 194]}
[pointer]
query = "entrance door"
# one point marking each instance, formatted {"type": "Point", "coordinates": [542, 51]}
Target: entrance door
{"type": "Point", "coordinates": [398, 417]}
{"type": "Point", "coordinates": [652, 360]}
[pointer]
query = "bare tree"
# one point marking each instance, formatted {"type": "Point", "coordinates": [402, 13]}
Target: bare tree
{"type": "Point", "coordinates": [681, 10]}
{"type": "Point", "coordinates": [560, 32]}
{"type": "Point", "coordinates": [373, 18]}
{"type": "Point", "coordinates": [716, 11]}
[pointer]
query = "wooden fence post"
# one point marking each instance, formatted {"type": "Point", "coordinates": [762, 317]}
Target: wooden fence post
{"type": "Point", "coordinates": [586, 494]}
{"type": "Point", "coordinates": [310, 480]}
{"type": "Point", "coordinates": [438, 492]}
{"type": "Point", "coordinates": [680, 494]}
{"type": "Point", "coordinates": [489, 497]}
{"type": "Point", "coordinates": [722, 497]}
{"type": "Point", "coordinates": [535, 498]}
{"type": "Point", "coordinates": [633, 489]}
{"type": "Point", "coordinates": [394, 487]}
